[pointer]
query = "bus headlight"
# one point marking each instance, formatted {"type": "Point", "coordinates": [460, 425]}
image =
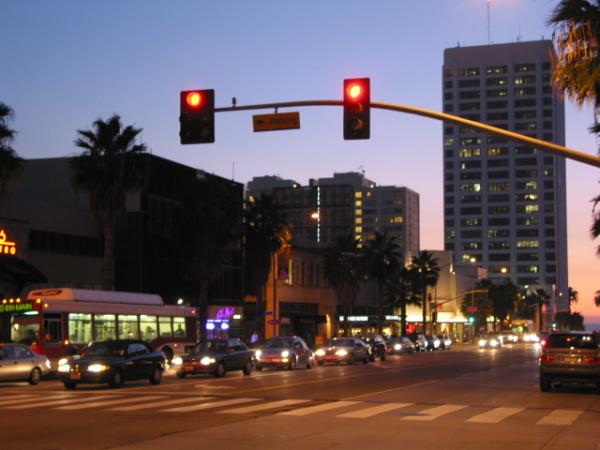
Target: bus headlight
{"type": "Point", "coordinates": [97, 368]}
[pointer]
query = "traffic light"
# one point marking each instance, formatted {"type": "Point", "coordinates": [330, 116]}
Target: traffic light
{"type": "Point", "coordinates": [197, 116]}
{"type": "Point", "coordinates": [471, 319]}
{"type": "Point", "coordinates": [357, 108]}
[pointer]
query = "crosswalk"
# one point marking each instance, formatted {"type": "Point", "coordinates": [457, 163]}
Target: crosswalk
{"type": "Point", "coordinates": [342, 409]}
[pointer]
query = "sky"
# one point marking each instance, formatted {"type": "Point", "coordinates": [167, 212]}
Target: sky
{"type": "Point", "coordinates": [68, 63]}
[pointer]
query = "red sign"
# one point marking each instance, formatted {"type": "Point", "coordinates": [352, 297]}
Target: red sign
{"type": "Point", "coordinates": [274, 322]}
{"type": "Point", "coordinates": [7, 247]}
{"type": "Point", "coordinates": [472, 309]}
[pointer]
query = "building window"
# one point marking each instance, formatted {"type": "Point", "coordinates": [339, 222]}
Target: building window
{"type": "Point", "coordinates": [524, 67]}
{"type": "Point", "coordinates": [497, 151]}
{"type": "Point", "coordinates": [496, 69]}
{"type": "Point", "coordinates": [528, 244]}
{"type": "Point", "coordinates": [469, 72]}
{"type": "Point", "coordinates": [469, 152]}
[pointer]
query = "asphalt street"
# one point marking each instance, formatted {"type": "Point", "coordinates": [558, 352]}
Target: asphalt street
{"type": "Point", "coordinates": [464, 398]}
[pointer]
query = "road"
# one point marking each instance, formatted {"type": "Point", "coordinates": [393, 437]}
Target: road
{"type": "Point", "coordinates": [464, 398]}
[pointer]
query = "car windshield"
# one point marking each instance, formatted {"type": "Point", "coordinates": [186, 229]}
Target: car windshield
{"type": "Point", "coordinates": [211, 347]}
{"type": "Point", "coordinates": [341, 343]}
{"type": "Point", "coordinates": [572, 341]}
{"type": "Point", "coordinates": [278, 343]}
{"type": "Point", "coordinates": [104, 349]}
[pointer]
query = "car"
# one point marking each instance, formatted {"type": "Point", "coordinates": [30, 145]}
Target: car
{"type": "Point", "coordinates": [419, 340]}
{"type": "Point", "coordinates": [18, 362]}
{"type": "Point", "coordinates": [445, 341]}
{"type": "Point", "coordinates": [377, 346]}
{"type": "Point", "coordinates": [287, 352]}
{"type": "Point", "coordinates": [570, 357]}
{"type": "Point", "coordinates": [433, 343]}
{"type": "Point", "coordinates": [215, 357]}
{"type": "Point", "coordinates": [343, 349]}
{"type": "Point", "coordinates": [112, 362]}
{"type": "Point", "coordinates": [400, 345]}
{"type": "Point", "coordinates": [509, 337]}
{"type": "Point", "coordinates": [490, 341]}
{"type": "Point", "coordinates": [530, 338]}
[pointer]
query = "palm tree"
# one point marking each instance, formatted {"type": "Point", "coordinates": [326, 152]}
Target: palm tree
{"type": "Point", "coordinates": [597, 298]}
{"type": "Point", "coordinates": [401, 291]}
{"type": "Point", "coordinates": [382, 255]}
{"type": "Point", "coordinates": [109, 167]}
{"type": "Point", "coordinates": [503, 297]}
{"type": "Point", "coordinates": [265, 226]}
{"type": "Point", "coordinates": [577, 40]}
{"type": "Point", "coordinates": [343, 269]}
{"type": "Point", "coordinates": [10, 163]}
{"type": "Point", "coordinates": [538, 299]}
{"type": "Point", "coordinates": [573, 297]}
{"type": "Point", "coordinates": [427, 274]}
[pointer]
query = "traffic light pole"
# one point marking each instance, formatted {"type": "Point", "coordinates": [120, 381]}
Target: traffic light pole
{"type": "Point", "coordinates": [549, 147]}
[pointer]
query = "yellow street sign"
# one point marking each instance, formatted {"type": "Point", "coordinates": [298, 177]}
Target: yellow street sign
{"type": "Point", "coordinates": [274, 122]}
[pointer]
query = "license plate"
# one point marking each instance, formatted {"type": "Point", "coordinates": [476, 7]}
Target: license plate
{"type": "Point", "coordinates": [75, 376]}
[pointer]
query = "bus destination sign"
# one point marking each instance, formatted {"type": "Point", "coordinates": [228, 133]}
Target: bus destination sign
{"type": "Point", "coordinates": [12, 308]}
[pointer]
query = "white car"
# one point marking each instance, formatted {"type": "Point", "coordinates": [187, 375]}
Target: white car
{"type": "Point", "coordinates": [18, 362]}
{"type": "Point", "coordinates": [490, 342]}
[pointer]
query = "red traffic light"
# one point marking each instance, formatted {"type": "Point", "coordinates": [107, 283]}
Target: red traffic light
{"type": "Point", "coordinates": [193, 99]}
{"type": "Point", "coordinates": [357, 106]}
{"type": "Point", "coordinates": [354, 91]}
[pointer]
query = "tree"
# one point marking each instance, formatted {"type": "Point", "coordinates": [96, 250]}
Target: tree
{"type": "Point", "coordinates": [538, 299]}
{"type": "Point", "coordinates": [573, 297]}
{"type": "Point", "coordinates": [343, 269]}
{"type": "Point", "coordinates": [569, 321]}
{"type": "Point", "coordinates": [265, 223]}
{"type": "Point", "coordinates": [11, 165]}
{"type": "Point", "coordinates": [110, 166]}
{"type": "Point", "coordinates": [401, 291]}
{"type": "Point", "coordinates": [577, 64]}
{"type": "Point", "coordinates": [479, 297]}
{"type": "Point", "coordinates": [597, 299]}
{"type": "Point", "coordinates": [427, 274]}
{"type": "Point", "coordinates": [210, 227]}
{"type": "Point", "coordinates": [503, 297]}
{"type": "Point", "coordinates": [382, 256]}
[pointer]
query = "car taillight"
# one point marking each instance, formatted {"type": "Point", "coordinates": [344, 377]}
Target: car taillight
{"type": "Point", "coordinates": [546, 358]}
{"type": "Point", "coordinates": [543, 342]}
{"type": "Point", "coordinates": [592, 359]}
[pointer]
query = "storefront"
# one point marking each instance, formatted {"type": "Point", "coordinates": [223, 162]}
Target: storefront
{"type": "Point", "coordinates": [224, 321]}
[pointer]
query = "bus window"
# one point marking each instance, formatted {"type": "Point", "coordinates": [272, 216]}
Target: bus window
{"type": "Point", "coordinates": [80, 328]}
{"type": "Point", "coordinates": [128, 327]}
{"type": "Point", "coordinates": [24, 330]}
{"type": "Point", "coordinates": [179, 326]}
{"type": "Point", "coordinates": [164, 327]}
{"type": "Point", "coordinates": [104, 327]}
{"type": "Point", "coordinates": [148, 327]}
{"type": "Point", "coordinates": [52, 329]}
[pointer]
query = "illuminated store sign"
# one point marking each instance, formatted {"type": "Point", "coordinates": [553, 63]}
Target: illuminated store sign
{"type": "Point", "coordinates": [6, 247]}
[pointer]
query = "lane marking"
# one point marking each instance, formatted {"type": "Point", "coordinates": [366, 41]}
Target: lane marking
{"type": "Point", "coordinates": [107, 403]}
{"type": "Point", "coordinates": [560, 417]}
{"type": "Point", "coordinates": [434, 413]}
{"type": "Point", "coordinates": [208, 386]}
{"type": "Point", "coordinates": [264, 406]}
{"type": "Point", "coordinates": [495, 415]}
{"type": "Point", "coordinates": [158, 404]}
{"type": "Point", "coordinates": [318, 408]}
{"type": "Point", "coordinates": [374, 410]}
{"type": "Point", "coordinates": [393, 389]}
{"type": "Point", "coordinates": [202, 406]}
{"type": "Point", "coordinates": [56, 402]}
{"type": "Point", "coordinates": [17, 399]}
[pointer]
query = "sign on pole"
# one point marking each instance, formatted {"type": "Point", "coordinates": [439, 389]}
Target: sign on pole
{"type": "Point", "coordinates": [274, 122]}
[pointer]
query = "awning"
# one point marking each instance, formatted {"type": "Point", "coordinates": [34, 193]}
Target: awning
{"type": "Point", "coordinates": [20, 271]}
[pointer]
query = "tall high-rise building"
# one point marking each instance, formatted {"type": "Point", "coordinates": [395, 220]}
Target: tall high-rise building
{"type": "Point", "coordinates": [504, 202]}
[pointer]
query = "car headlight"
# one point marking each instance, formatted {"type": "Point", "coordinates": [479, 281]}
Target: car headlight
{"type": "Point", "coordinates": [285, 354]}
{"type": "Point", "coordinates": [397, 347]}
{"type": "Point", "coordinates": [206, 361]}
{"type": "Point", "coordinates": [97, 368]}
{"type": "Point", "coordinates": [64, 368]}
{"type": "Point", "coordinates": [341, 352]}
{"type": "Point", "coordinates": [258, 354]}
{"type": "Point", "coordinates": [320, 352]}
{"type": "Point", "coordinates": [62, 361]}
{"type": "Point", "coordinates": [494, 343]}
{"type": "Point", "coordinates": [47, 364]}
{"type": "Point", "coordinates": [177, 361]}
{"type": "Point", "coordinates": [482, 342]}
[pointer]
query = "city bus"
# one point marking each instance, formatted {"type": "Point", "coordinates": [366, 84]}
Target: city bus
{"type": "Point", "coordinates": [57, 322]}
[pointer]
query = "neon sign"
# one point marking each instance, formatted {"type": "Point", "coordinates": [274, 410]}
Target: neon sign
{"type": "Point", "coordinates": [6, 247]}
{"type": "Point", "coordinates": [225, 313]}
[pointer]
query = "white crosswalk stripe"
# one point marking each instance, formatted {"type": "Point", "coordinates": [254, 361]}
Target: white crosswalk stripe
{"type": "Point", "coordinates": [56, 402]}
{"type": "Point", "coordinates": [374, 410]}
{"type": "Point", "coordinates": [434, 413]}
{"type": "Point", "coordinates": [263, 406]}
{"type": "Point", "coordinates": [16, 399]}
{"type": "Point", "coordinates": [560, 417]}
{"type": "Point", "coordinates": [98, 404]}
{"type": "Point", "coordinates": [495, 415]}
{"type": "Point", "coordinates": [202, 406]}
{"type": "Point", "coordinates": [319, 408]}
{"type": "Point", "coordinates": [161, 403]}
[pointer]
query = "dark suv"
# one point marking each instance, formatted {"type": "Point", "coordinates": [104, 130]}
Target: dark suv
{"type": "Point", "coordinates": [377, 346]}
{"type": "Point", "coordinates": [569, 357]}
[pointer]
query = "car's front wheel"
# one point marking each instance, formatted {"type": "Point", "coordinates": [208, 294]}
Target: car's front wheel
{"type": "Point", "coordinates": [351, 358]}
{"type": "Point", "coordinates": [309, 363]}
{"type": "Point", "coordinates": [220, 370]}
{"type": "Point", "coordinates": [545, 384]}
{"type": "Point", "coordinates": [116, 379]}
{"type": "Point", "coordinates": [156, 376]}
{"type": "Point", "coordinates": [247, 370]}
{"type": "Point", "coordinates": [35, 376]}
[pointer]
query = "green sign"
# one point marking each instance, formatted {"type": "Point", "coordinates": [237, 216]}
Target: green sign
{"type": "Point", "coordinates": [13, 308]}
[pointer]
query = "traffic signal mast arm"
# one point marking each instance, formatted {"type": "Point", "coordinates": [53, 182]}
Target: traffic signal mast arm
{"type": "Point", "coordinates": [549, 147]}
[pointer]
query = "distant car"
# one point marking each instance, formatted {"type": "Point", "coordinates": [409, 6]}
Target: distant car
{"type": "Point", "coordinates": [445, 341]}
{"type": "Point", "coordinates": [18, 362]}
{"type": "Point", "coordinates": [570, 357]}
{"type": "Point", "coordinates": [490, 341]}
{"type": "Point", "coordinates": [343, 349]}
{"type": "Point", "coordinates": [400, 345]}
{"type": "Point", "coordinates": [419, 341]}
{"type": "Point", "coordinates": [287, 352]}
{"type": "Point", "coordinates": [377, 346]}
{"type": "Point", "coordinates": [112, 362]}
{"type": "Point", "coordinates": [215, 357]}
{"type": "Point", "coordinates": [433, 343]}
{"type": "Point", "coordinates": [530, 338]}
{"type": "Point", "coordinates": [509, 337]}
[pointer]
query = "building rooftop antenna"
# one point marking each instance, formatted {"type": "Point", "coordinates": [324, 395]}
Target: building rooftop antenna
{"type": "Point", "coordinates": [488, 2]}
